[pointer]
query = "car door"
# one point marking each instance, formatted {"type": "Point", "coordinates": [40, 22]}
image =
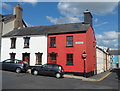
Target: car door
{"type": "Point", "coordinates": [7, 64]}
{"type": "Point", "coordinates": [51, 70]}
{"type": "Point", "coordinates": [15, 63]}
{"type": "Point", "coordinates": [44, 70]}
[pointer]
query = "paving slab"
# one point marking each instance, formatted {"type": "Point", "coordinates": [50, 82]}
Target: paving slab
{"type": "Point", "coordinates": [98, 77]}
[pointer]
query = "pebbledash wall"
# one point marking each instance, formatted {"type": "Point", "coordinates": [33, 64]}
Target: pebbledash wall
{"type": "Point", "coordinates": [37, 44]}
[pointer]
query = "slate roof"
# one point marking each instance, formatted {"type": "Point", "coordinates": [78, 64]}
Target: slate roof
{"type": "Point", "coordinates": [7, 17]}
{"type": "Point", "coordinates": [50, 29]}
{"type": "Point", "coordinates": [114, 52]}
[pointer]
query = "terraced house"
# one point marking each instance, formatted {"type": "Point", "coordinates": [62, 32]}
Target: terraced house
{"type": "Point", "coordinates": [10, 22]}
{"type": "Point", "coordinates": [63, 44]}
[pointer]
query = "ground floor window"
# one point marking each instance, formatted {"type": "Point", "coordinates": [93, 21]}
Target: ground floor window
{"type": "Point", "coordinates": [38, 58]}
{"type": "Point", "coordinates": [53, 56]}
{"type": "Point", "coordinates": [12, 55]}
{"type": "Point", "coordinates": [69, 59]}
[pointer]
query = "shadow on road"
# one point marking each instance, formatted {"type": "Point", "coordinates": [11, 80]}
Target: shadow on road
{"type": "Point", "coordinates": [117, 70]}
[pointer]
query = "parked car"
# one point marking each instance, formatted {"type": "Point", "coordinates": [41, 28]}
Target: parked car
{"type": "Point", "coordinates": [14, 65]}
{"type": "Point", "coordinates": [48, 69]}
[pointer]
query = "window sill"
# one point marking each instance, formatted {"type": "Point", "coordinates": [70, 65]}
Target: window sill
{"type": "Point", "coordinates": [25, 47]}
{"type": "Point", "coordinates": [69, 46]}
{"type": "Point", "coordinates": [12, 48]}
{"type": "Point", "coordinates": [53, 60]}
{"type": "Point", "coordinates": [38, 64]}
{"type": "Point", "coordinates": [52, 47]}
{"type": "Point", "coordinates": [69, 64]}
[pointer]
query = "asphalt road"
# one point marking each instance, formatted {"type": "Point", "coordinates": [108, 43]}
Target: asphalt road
{"type": "Point", "coordinates": [11, 80]}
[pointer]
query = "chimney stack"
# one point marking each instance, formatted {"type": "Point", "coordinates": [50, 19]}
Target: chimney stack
{"type": "Point", "coordinates": [18, 13]}
{"type": "Point", "coordinates": [88, 17]}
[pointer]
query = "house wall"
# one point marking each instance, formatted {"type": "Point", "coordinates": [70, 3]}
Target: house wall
{"type": "Point", "coordinates": [108, 62]}
{"type": "Point", "coordinates": [114, 60]}
{"type": "Point", "coordinates": [119, 60]}
{"type": "Point", "coordinates": [91, 50]}
{"type": "Point", "coordinates": [8, 26]}
{"type": "Point", "coordinates": [77, 50]}
{"type": "Point", "coordinates": [0, 36]}
{"type": "Point", "coordinates": [37, 44]}
{"type": "Point", "coordinates": [101, 61]}
{"type": "Point", "coordinates": [62, 50]}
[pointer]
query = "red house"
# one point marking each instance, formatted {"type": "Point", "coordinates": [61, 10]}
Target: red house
{"type": "Point", "coordinates": [74, 46]}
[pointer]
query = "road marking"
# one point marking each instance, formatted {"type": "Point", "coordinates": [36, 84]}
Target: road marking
{"type": "Point", "coordinates": [104, 77]}
{"type": "Point", "coordinates": [87, 79]}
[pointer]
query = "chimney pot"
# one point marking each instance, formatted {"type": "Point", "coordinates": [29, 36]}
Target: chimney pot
{"type": "Point", "coordinates": [18, 5]}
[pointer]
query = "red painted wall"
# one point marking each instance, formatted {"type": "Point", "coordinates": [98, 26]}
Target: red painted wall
{"type": "Point", "coordinates": [77, 50]}
{"type": "Point", "coordinates": [91, 50]}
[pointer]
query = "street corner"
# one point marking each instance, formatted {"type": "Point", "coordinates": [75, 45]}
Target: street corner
{"type": "Point", "coordinates": [79, 77]}
{"type": "Point", "coordinates": [88, 79]}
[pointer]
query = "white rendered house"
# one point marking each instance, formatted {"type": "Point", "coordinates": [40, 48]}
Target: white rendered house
{"type": "Point", "coordinates": [32, 49]}
{"type": "Point", "coordinates": [103, 60]}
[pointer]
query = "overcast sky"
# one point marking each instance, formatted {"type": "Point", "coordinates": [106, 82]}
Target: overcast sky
{"type": "Point", "coordinates": [105, 16]}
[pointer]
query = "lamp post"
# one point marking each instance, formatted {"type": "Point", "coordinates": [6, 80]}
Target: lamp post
{"type": "Point", "coordinates": [84, 55]}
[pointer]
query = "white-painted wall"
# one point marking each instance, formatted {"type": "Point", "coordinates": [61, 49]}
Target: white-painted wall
{"type": "Point", "coordinates": [101, 61]}
{"type": "Point", "coordinates": [37, 44]}
{"type": "Point", "coordinates": [8, 26]}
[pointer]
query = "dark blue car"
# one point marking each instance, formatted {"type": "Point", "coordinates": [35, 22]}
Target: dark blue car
{"type": "Point", "coordinates": [48, 69]}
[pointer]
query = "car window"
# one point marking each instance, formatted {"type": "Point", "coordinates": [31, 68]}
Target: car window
{"type": "Point", "coordinates": [16, 61]}
{"type": "Point", "coordinates": [44, 66]}
{"type": "Point", "coordinates": [58, 67]}
{"type": "Point", "coordinates": [9, 61]}
{"type": "Point", "coordinates": [49, 66]}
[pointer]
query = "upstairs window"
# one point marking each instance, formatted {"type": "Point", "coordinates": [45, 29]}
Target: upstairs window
{"type": "Point", "coordinates": [38, 58]}
{"type": "Point", "coordinates": [69, 59]}
{"type": "Point", "coordinates": [13, 42]}
{"type": "Point", "coordinates": [26, 42]}
{"type": "Point", "coordinates": [52, 42]}
{"type": "Point", "coordinates": [69, 41]}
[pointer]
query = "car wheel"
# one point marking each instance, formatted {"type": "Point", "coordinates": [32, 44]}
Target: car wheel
{"type": "Point", "coordinates": [18, 70]}
{"type": "Point", "coordinates": [58, 75]}
{"type": "Point", "coordinates": [35, 72]}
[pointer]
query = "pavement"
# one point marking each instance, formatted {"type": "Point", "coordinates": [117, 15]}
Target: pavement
{"type": "Point", "coordinates": [98, 77]}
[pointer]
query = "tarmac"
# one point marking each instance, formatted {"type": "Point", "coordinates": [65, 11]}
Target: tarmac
{"type": "Point", "coordinates": [98, 77]}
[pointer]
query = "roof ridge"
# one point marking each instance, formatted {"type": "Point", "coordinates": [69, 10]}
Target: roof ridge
{"type": "Point", "coordinates": [7, 14]}
{"type": "Point", "coordinates": [56, 25]}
